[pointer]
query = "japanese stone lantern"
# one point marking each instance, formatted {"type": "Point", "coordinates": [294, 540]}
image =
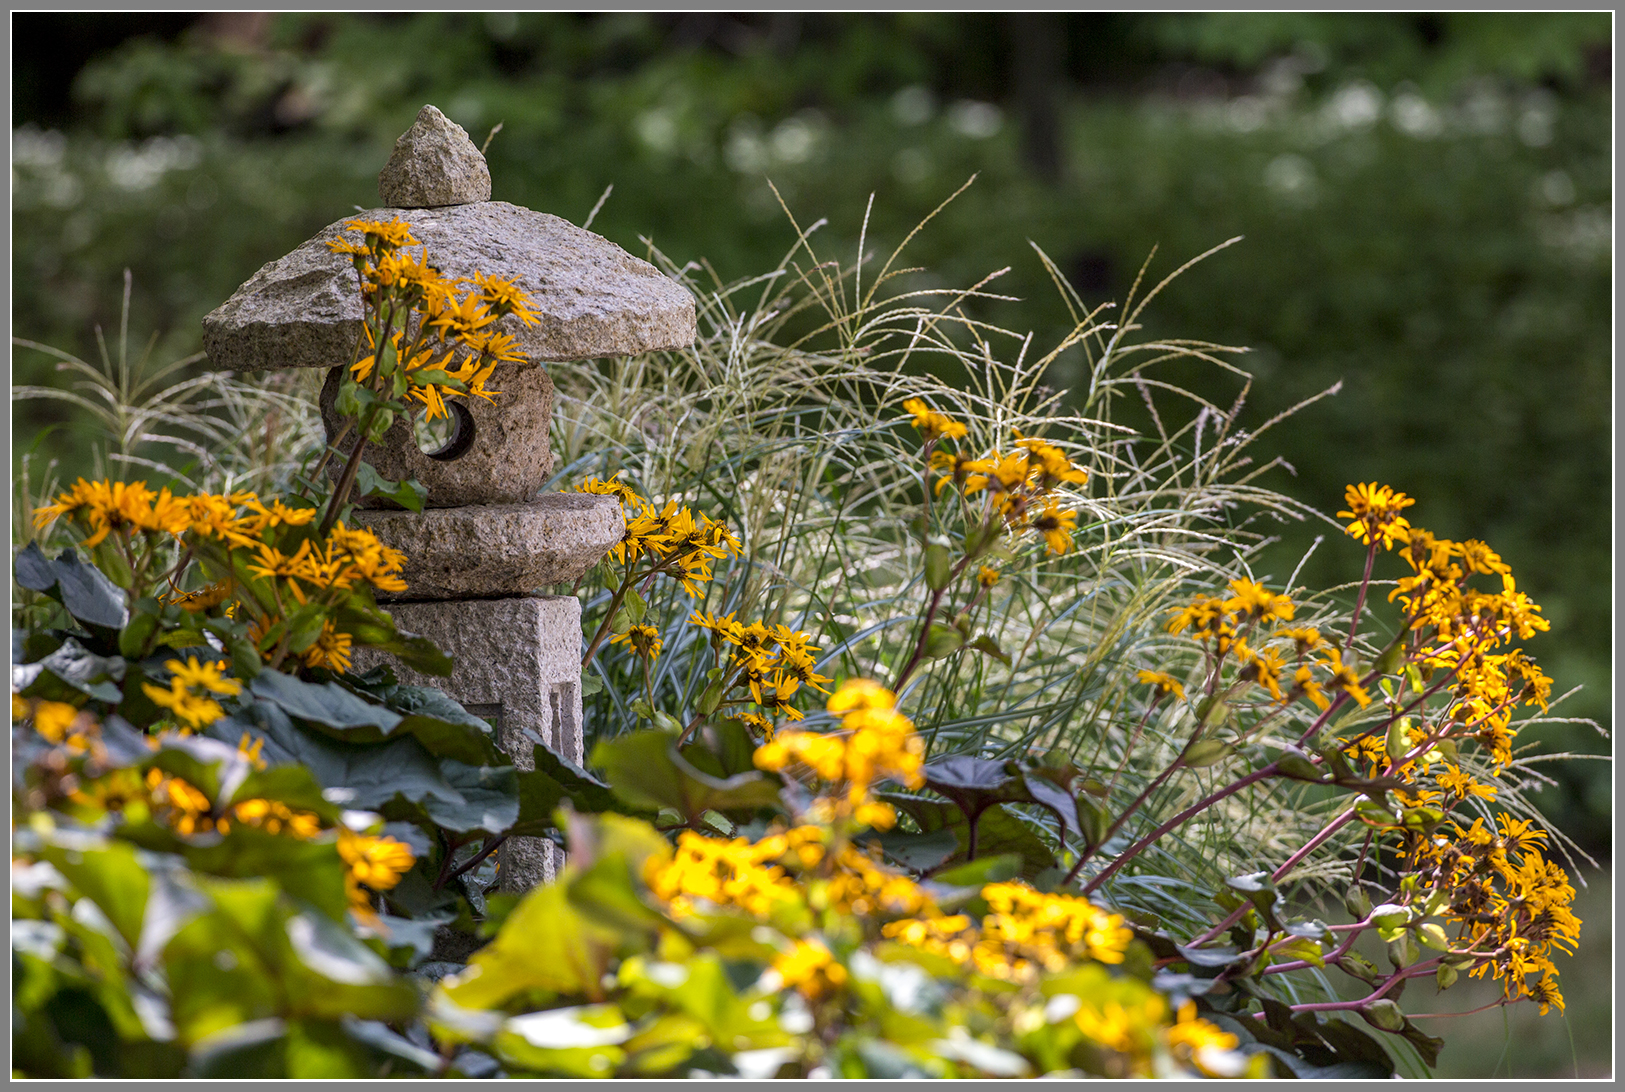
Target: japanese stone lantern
{"type": "Point", "coordinates": [486, 540]}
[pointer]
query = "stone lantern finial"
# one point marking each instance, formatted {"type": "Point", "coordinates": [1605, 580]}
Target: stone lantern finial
{"type": "Point", "coordinates": [434, 164]}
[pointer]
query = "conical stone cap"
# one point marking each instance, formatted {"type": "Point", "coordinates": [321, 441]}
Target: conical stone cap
{"type": "Point", "coordinates": [434, 164]}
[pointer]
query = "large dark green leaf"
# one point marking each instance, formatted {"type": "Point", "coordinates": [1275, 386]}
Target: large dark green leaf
{"type": "Point", "coordinates": [83, 589]}
{"type": "Point", "coordinates": [1348, 1043]}
{"type": "Point", "coordinates": [1426, 1045]}
{"type": "Point", "coordinates": [378, 1036]}
{"type": "Point", "coordinates": [973, 783]}
{"type": "Point", "coordinates": [645, 770]}
{"type": "Point", "coordinates": [546, 944]}
{"type": "Point", "coordinates": [466, 739]}
{"type": "Point", "coordinates": [722, 748]}
{"type": "Point", "coordinates": [490, 798]}
{"type": "Point", "coordinates": [426, 701]}
{"type": "Point", "coordinates": [326, 704]}
{"type": "Point", "coordinates": [998, 831]}
{"type": "Point", "coordinates": [71, 671]}
{"type": "Point", "coordinates": [257, 1049]}
{"type": "Point", "coordinates": [918, 852]}
{"type": "Point", "coordinates": [109, 876]}
{"type": "Point", "coordinates": [320, 1050]}
{"type": "Point", "coordinates": [344, 715]}
{"type": "Point", "coordinates": [1057, 799]}
{"type": "Point", "coordinates": [398, 778]}
{"type": "Point", "coordinates": [34, 570]}
{"type": "Point", "coordinates": [554, 780]}
{"type": "Point", "coordinates": [311, 871]}
{"type": "Point", "coordinates": [342, 976]}
{"type": "Point", "coordinates": [976, 783]}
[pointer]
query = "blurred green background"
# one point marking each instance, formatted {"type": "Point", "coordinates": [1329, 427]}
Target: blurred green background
{"type": "Point", "coordinates": [1425, 199]}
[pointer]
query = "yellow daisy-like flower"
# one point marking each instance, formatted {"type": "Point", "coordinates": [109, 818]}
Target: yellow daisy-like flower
{"type": "Point", "coordinates": [1053, 466]}
{"type": "Point", "coordinates": [52, 719]}
{"type": "Point", "coordinates": [331, 650]}
{"type": "Point", "coordinates": [932, 424]}
{"type": "Point", "coordinates": [505, 298]}
{"type": "Point", "coordinates": [188, 697]}
{"type": "Point", "coordinates": [1251, 599]}
{"type": "Point", "coordinates": [1375, 510]}
{"type": "Point", "coordinates": [1205, 1046]}
{"type": "Point", "coordinates": [1461, 784]}
{"type": "Point", "coordinates": [378, 863]}
{"type": "Point", "coordinates": [1165, 683]}
{"type": "Point", "coordinates": [612, 488]}
{"type": "Point", "coordinates": [207, 675]}
{"type": "Point", "coordinates": [644, 640]}
{"type": "Point", "coordinates": [1056, 526]}
{"type": "Point", "coordinates": [396, 233]}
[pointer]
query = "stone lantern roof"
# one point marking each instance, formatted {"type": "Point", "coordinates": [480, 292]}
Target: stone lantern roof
{"type": "Point", "coordinates": [591, 298]}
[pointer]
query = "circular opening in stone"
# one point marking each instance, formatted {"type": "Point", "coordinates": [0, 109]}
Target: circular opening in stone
{"type": "Point", "coordinates": [432, 436]}
{"type": "Point", "coordinates": [445, 438]}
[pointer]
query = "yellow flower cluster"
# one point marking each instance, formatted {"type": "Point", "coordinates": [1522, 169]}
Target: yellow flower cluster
{"type": "Point", "coordinates": [677, 542]}
{"type": "Point", "coordinates": [671, 538]}
{"type": "Point", "coordinates": [808, 967]}
{"type": "Point", "coordinates": [349, 557]}
{"type": "Point", "coordinates": [192, 687]}
{"type": "Point", "coordinates": [1510, 905]}
{"type": "Point", "coordinates": [104, 507]}
{"type": "Point", "coordinates": [874, 742]}
{"type": "Point", "coordinates": [1201, 1044]}
{"type": "Point", "coordinates": [454, 346]}
{"type": "Point", "coordinates": [772, 662]}
{"type": "Point", "coordinates": [323, 568]}
{"type": "Point", "coordinates": [809, 880]}
{"type": "Point", "coordinates": [374, 862]}
{"type": "Point", "coordinates": [933, 425]}
{"type": "Point", "coordinates": [860, 884]}
{"type": "Point", "coordinates": [644, 640]}
{"type": "Point", "coordinates": [739, 874]}
{"type": "Point", "coordinates": [1024, 934]}
{"type": "Point", "coordinates": [1021, 485]}
{"type": "Point", "coordinates": [1227, 625]}
{"type": "Point", "coordinates": [1455, 627]}
{"type": "Point", "coordinates": [59, 723]}
{"type": "Point", "coordinates": [1163, 682]}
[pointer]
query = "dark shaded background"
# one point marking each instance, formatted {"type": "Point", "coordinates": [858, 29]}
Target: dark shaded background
{"type": "Point", "coordinates": [1425, 198]}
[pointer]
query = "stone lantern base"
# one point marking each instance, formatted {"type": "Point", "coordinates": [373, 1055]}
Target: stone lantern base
{"type": "Point", "coordinates": [518, 664]}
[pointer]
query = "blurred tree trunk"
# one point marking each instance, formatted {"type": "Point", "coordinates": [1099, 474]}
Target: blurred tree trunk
{"type": "Point", "coordinates": [1037, 66]}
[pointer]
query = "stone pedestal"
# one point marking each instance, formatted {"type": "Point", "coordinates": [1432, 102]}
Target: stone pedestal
{"type": "Point", "coordinates": [518, 664]}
